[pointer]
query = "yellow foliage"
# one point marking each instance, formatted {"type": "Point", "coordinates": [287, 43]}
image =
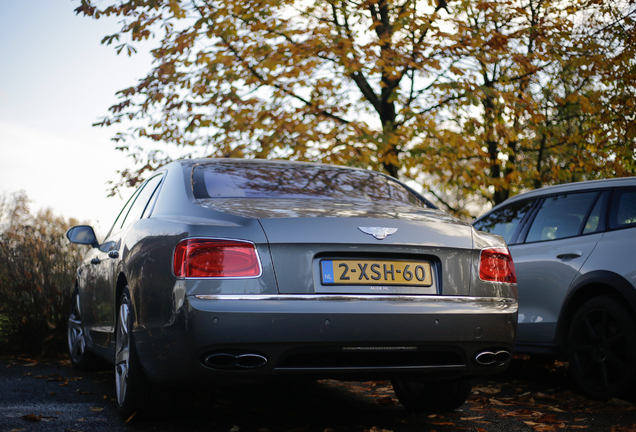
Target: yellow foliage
{"type": "Point", "coordinates": [487, 98]}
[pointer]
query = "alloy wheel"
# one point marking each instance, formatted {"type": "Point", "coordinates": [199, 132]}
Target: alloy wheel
{"type": "Point", "coordinates": [122, 349]}
{"type": "Point", "coordinates": [600, 348]}
{"type": "Point", "coordinates": [76, 339]}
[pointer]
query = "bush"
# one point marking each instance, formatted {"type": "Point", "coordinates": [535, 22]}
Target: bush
{"type": "Point", "coordinates": [37, 270]}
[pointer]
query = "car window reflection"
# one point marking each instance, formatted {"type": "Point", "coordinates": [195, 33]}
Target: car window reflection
{"type": "Point", "coordinates": [235, 180]}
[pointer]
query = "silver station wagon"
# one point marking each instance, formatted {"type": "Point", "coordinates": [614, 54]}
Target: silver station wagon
{"type": "Point", "coordinates": [228, 271]}
{"type": "Point", "coordinates": [573, 249]}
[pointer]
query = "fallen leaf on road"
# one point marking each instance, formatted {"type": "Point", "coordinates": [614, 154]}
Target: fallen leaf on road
{"type": "Point", "coordinates": [387, 400]}
{"type": "Point", "coordinates": [549, 418]}
{"type": "Point", "coordinates": [96, 409]}
{"type": "Point", "coordinates": [497, 402]}
{"type": "Point", "coordinates": [32, 417]}
{"type": "Point", "coordinates": [471, 418]}
{"type": "Point", "coordinates": [486, 390]}
{"type": "Point", "coordinates": [64, 384]}
{"type": "Point", "coordinates": [555, 409]}
{"type": "Point", "coordinates": [131, 417]}
{"type": "Point", "coordinates": [540, 395]}
{"type": "Point", "coordinates": [617, 401]}
{"type": "Point", "coordinates": [83, 392]}
{"type": "Point", "coordinates": [82, 419]}
{"type": "Point", "coordinates": [56, 379]}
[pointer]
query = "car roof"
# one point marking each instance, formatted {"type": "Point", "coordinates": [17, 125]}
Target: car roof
{"type": "Point", "coordinates": [570, 187]}
{"type": "Point", "coordinates": [207, 161]}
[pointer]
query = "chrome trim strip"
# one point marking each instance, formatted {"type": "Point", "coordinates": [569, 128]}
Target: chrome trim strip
{"type": "Point", "coordinates": [369, 368]}
{"type": "Point", "coordinates": [353, 297]}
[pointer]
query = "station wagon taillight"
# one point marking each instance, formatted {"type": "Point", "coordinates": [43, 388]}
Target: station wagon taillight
{"type": "Point", "coordinates": [201, 258]}
{"type": "Point", "coordinates": [495, 265]}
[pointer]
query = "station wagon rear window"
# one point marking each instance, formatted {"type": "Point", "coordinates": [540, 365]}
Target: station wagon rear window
{"type": "Point", "coordinates": [250, 180]}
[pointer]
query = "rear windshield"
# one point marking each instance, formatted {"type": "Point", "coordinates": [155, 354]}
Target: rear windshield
{"type": "Point", "coordinates": [252, 180]}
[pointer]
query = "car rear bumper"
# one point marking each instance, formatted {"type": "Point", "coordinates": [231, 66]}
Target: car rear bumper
{"type": "Point", "coordinates": [229, 338]}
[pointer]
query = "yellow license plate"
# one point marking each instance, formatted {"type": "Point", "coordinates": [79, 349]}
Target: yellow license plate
{"type": "Point", "coordinates": [375, 272]}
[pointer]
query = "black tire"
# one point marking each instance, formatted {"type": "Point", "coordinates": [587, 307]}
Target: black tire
{"type": "Point", "coordinates": [81, 357]}
{"type": "Point", "coordinates": [431, 396]}
{"type": "Point", "coordinates": [131, 385]}
{"type": "Point", "coordinates": [602, 348]}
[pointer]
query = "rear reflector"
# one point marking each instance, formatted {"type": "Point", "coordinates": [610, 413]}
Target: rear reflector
{"type": "Point", "coordinates": [201, 258]}
{"type": "Point", "coordinates": [495, 265]}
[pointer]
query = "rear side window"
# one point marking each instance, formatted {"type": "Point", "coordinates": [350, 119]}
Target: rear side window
{"type": "Point", "coordinates": [251, 180]}
{"type": "Point", "coordinates": [141, 202]}
{"type": "Point", "coordinates": [623, 211]}
{"type": "Point", "coordinates": [561, 216]}
{"type": "Point", "coordinates": [136, 204]}
{"type": "Point", "coordinates": [505, 220]}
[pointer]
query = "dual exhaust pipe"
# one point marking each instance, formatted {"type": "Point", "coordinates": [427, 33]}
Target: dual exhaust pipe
{"type": "Point", "coordinates": [226, 361]}
{"type": "Point", "coordinates": [489, 358]}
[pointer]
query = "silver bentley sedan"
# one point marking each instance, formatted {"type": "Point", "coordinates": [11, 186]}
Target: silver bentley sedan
{"type": "Point", "coordinates": [228, 271]}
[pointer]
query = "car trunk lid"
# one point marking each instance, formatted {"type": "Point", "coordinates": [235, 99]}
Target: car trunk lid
{"type": "Point", "coordinates": [384, 249]}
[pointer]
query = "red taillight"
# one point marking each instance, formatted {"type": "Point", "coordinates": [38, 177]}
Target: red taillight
{"type": "Point", "coordinates": [215, 258]}
{"type": "Point", "coordinates": [495, 265]}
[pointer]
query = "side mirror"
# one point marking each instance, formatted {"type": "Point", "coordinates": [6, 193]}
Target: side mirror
{"type": "Point", "coordinates": [82, 234]}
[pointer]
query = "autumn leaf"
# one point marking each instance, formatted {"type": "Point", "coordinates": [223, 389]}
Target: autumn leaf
{"type": "Point", "coordinates": [387, 400]}
{"type": "Point", "coordinates": [556, 409]}
{"type": "Point", "coordinates": [549, 418]}
{"type": "Point", "coordinates": [32, 417]}
{"type": "Point", "coordinates": [498, 402]}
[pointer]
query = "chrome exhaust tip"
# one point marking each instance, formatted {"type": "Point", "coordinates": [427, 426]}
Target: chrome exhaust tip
{"type": "Point", "coordinates": [490, 358]}
{"type": "Point", "coordinates": [226, 361]}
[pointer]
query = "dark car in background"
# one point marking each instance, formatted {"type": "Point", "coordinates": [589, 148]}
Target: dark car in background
{"type": "Point", "coordinates": [574, 252]}
{"type": "Point", "coordinates": [232, 271]}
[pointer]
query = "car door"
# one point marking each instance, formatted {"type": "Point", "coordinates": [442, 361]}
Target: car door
{"type": "Point", "coordinates": [549, 252]}
{"type": "Point", "coordinates": [99, 299]}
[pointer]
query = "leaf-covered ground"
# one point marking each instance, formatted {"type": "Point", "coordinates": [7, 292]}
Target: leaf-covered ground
{"type": "Point", "coordinates": [51, 396]}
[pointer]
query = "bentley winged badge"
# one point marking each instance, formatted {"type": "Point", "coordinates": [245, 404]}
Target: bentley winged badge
{"type": "Point", "coordinates": [378, 232]}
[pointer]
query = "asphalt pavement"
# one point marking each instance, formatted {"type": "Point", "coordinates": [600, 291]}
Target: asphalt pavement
{"type": "Point", "coordinates": [49, 395]}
